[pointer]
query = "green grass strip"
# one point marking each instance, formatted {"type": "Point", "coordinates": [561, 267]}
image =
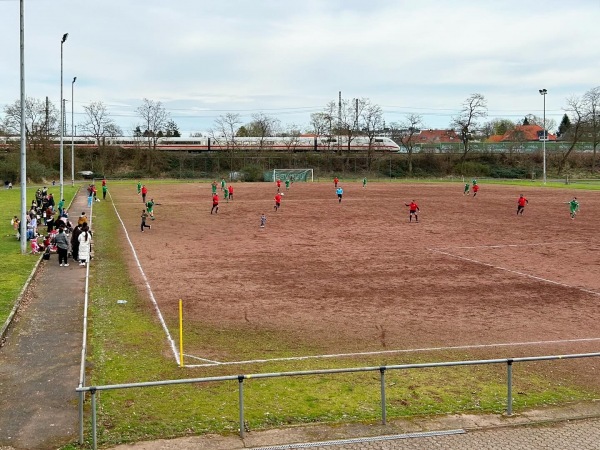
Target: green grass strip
{"type": "Point", "coordinates": [15, 268]}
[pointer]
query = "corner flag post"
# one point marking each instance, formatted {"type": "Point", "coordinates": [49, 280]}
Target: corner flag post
{"type": "Point", "coordinates": [180, 333]}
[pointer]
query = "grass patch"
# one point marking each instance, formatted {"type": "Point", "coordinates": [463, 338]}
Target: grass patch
{"type": "Point", "coordinates": [15, 268]}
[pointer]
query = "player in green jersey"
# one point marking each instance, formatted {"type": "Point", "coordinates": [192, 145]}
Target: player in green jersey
{"type": "Point", "coordinates": [573, 207]}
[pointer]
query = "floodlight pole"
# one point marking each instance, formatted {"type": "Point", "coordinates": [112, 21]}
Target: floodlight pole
{"type": "Point", "coordinates": [23, 227]}
{"type": "Point", "coordinates": [72, 135]}
{"type": "Point", "coordinates": [62, 112]}
{"type": "Point", "coordinates": [543, 93]}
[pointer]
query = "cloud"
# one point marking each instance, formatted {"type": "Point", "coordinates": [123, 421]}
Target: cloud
{"type": "Point", "coordinates": [289, 58]}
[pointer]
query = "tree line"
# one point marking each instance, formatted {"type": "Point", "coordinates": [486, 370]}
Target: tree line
{"type": "Point", "coordinates": [348, 118]}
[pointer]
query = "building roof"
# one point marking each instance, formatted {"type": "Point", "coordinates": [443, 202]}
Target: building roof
{"type": "Point", "coordinates": [495, 138]}
{"type": "Point", "coordinates": [526, 133]}
{"type": "Point", "coordinates": [436, 137]}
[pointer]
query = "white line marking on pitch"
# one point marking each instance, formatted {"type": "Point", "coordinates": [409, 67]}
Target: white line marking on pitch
{"type": "Point", "coordinates": [464, 258]}
{"type": "Point", "coordinates": [202, 359]}
{"type": "Point", "coordinates": [149, 289]}
{"type": "Point", "coordinates": [409, 350]}
{"type": "Point", "coordinates": [508, 245]}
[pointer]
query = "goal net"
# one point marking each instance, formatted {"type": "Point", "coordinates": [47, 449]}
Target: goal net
{"type": "Point", "coordinates": [292, 175]}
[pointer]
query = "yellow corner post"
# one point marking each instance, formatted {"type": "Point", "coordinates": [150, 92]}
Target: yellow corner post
{"type": "Point", "coordinates": [180, 333]}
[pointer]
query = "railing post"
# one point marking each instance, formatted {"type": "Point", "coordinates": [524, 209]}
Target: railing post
{"type": "Point", "coordinates": [81, 400]}
{"type": "Point", "coordinates": [383, 408]}
{"type": "Point", "coordinates": [241, 404]}
{"type": "Point", "coordinates": [509, 408]}
{"type": "Point", "coordinates": [94, 427]}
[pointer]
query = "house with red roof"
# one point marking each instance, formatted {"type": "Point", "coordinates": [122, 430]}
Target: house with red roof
{"type": "Point", "coordinates": [522, 133]}
{"type": "Point", "coordinates": [436, 137]}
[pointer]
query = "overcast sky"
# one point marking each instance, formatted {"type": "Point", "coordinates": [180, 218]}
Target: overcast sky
{"type": "Point", "coordinates": [289, 58]}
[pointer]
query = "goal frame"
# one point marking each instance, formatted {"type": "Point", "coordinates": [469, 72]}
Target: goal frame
{"type": "Point", "coordinates": [309, 177]}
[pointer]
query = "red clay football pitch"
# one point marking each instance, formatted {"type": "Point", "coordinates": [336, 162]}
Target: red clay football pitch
{"type": "Point", "coordinates": [356, 277]}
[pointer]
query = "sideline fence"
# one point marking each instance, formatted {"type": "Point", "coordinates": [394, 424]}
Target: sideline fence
{"type": "Point", "coordinates": [93, 390]}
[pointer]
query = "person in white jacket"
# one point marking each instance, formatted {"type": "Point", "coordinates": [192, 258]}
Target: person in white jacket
{"type": "Point", "coordinates": [85, 242]}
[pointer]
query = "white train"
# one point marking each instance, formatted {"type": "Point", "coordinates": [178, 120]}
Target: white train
{"type": "Point", "coordinates": [209, 144]}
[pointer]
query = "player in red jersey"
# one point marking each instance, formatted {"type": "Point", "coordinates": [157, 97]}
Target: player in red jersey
{"type": "Point", "coordinates": [230, 190]}
{"type": "Point", "coordinates": [413, 209]}
{"type": "Point", "coordinates": [336, 181]}
{"type": "Point", "coordinates": [521, 202]}
{"type": "Point", "coordinates": [475, 189]}
{"type": "Point", "coordinates": [277, 201]}
{"type": "Point", "coordinates": [215, 206]}
{"type": "Point", "coordinates": [278, 184]}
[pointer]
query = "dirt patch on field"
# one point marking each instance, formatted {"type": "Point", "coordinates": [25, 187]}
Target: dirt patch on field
{"type": "Point", "coordinates": [356, 276]}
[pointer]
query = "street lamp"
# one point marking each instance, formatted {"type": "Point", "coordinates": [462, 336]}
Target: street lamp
{"type": "Point", "coordinates": [543, 93]}
{"type": "Point", "coordinates": [62, 113]}
{"type": "Point", "coordinates": [72, 136]}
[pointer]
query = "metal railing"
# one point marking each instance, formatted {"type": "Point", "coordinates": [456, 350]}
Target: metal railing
{"type": "Point", "coordinates": [93, 390]}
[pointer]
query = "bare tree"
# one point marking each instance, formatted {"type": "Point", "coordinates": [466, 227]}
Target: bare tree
{"type": "Point", "coordinates": [405, 133]}
{"type": "Point", "coordinates": [98, 123]}
{"type": "Point", "coordinates": [226, 128]}
{"type": "Point", "coordinates": [474, 108]}
{"type": "Point", "coordinates": [262, 126]}
{"type": "Point", "coordinates": [321, 123]}
{"type": "Point", "coordinates": [577, 114]}
{"type": "Point", "coordinates": [497, 127]}
{"type": "Point", "coordinates": [291, 133]}
{"type": "Point", "coordinates": [591, 105]}
{"type": "Point", "coordinates": [155, 119]}
{"type": "Point", "coordinates": [370, 120]}
{"type": "Point", "coordinates": [326, 123]}
{"type": "Point", "coordinates": [41, 123]}
{"type": "Point", "coordinates": [349, 120]}
{"type": "Point", "coordinates": [41, 118]}
{"type": "Point", "coordinates": [539, 121]}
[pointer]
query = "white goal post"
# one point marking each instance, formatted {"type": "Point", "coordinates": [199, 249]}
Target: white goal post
{"type": "Point", "coordinates": [293, 174]}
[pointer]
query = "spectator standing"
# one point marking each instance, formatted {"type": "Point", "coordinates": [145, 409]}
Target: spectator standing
{"type": "Point", "coordinates": [62, 247]}
{"type": "Point", "coordinates": [75, 242]}
{"type": "Point", "coordinates": [82, 219]}
{"type": "Point", "coordinates": [61, 206]}
{"type": "Point", "coordinates": [50, 220]}
{"type": "Point", "coordinates": [16, 223]}
{"type": "Point", "coordinates": [85, 242]}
